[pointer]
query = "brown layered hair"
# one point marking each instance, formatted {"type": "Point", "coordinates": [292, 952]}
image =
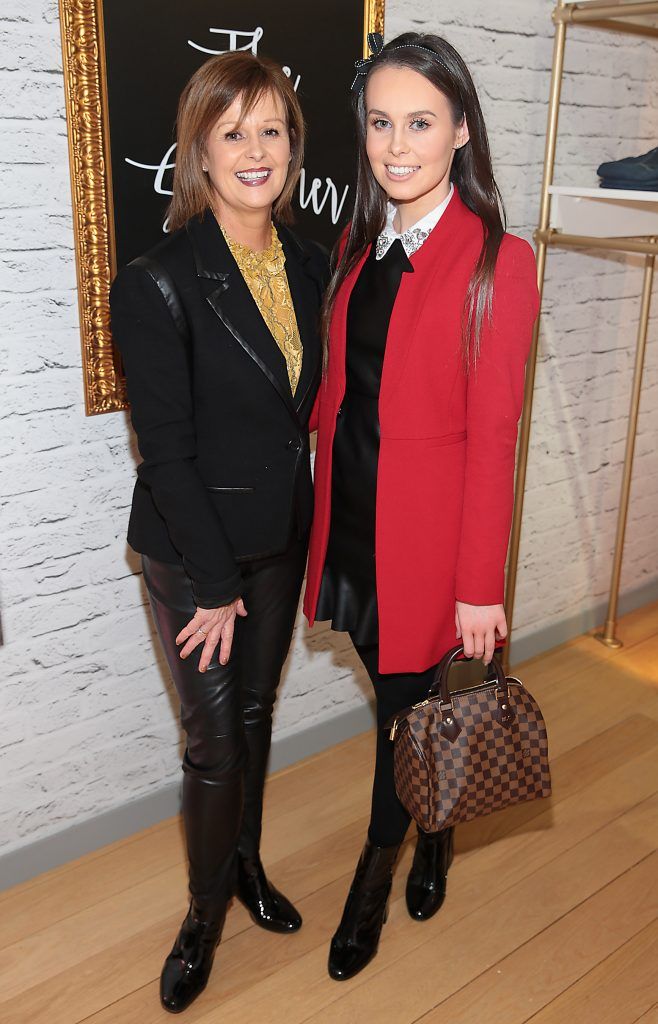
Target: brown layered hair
{"type": "Point", "coordinates": [471, 172]}
{"type": "Point", "coordinates": [207, 96]}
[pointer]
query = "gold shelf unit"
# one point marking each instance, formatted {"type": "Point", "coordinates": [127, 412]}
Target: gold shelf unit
{"type": "Point", "coordinates": [613, 17]}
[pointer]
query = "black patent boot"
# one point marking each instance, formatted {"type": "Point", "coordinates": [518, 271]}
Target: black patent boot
{"type": "Point", "coordinates": [268, 907]}
{"type": "Point", "coordinates": [366, 909]}
{"type": "Point", "coordinates": [187, 968]}
{"type": "Point", "coordinates": [426, 884]}
{"type": "Point", "coordinates": [209, 811]}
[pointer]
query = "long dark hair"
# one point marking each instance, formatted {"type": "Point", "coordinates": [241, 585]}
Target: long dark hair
{"type": "Point", "coordinates": [471, 172]}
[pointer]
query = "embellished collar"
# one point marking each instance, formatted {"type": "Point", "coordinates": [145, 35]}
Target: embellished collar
{"type": "Point", "coordinates": [413, 237]}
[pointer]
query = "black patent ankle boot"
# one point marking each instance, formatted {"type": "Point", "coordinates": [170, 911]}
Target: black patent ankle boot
{"type": "Point", "coordinates": [356, 941]}
{"type": "Point", "coordinates": [426, 884]}
{"type": "Point", "coordinates": [268, 907]}
{"type": "Point", "coordinates": [187, 968]}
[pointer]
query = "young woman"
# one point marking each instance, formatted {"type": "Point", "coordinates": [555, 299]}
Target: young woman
{"type": "Point", "coordinates": [430, 314]}
{"type": "Point", "coordinates": [217, 327]}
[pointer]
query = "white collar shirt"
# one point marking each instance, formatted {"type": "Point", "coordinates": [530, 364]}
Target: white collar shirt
{"type": "Point", "coordinates": [413, 237]}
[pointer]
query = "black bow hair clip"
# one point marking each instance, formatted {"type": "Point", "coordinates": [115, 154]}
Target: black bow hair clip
{"type": "Point", "coordinates": [375, 45]}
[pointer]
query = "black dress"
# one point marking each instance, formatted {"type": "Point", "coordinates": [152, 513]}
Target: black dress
{"type": "Point", "coordinates": [348, 593]}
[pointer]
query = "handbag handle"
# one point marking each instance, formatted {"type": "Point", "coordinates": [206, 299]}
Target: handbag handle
{"type": "Point", "coordinates": [449, 726]}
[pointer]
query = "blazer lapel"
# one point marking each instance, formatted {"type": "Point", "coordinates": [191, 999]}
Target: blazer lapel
{"type": "Point", "coordinates": [229, 297]}
{"type": "Point", "coordinates": [306, 293]}
{"type": "Point", "coordinates": [414, 290]}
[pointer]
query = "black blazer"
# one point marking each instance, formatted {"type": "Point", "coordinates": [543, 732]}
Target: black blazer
{"type": "Point", "coordinates": [226, 473]}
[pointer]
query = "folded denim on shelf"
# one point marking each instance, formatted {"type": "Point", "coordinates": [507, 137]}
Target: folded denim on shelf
{"type": "Point", "coordinates": [641, 171]}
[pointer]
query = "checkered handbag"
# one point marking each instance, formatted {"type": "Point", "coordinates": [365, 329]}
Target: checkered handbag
{"type": "Point", "coordinates": [464, 754]}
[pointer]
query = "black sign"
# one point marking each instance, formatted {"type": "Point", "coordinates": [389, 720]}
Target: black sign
{"type": "Point", "coordinates": [152, 48]}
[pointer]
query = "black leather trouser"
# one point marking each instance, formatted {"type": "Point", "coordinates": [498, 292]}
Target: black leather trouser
{"type": "Point", "coordinates": [226, 712]}
{"type": "Point", "coordinates": [389, 820]}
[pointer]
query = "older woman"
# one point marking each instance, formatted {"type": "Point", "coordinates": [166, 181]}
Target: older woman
{"type": "Point", "coordinates": [217, 327]}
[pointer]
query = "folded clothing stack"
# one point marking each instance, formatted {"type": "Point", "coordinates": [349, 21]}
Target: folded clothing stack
{"type": "Point", "coordinates": [639, 172]}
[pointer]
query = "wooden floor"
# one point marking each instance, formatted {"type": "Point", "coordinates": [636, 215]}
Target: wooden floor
{"type": "Point", "coordinates": [551, 914]}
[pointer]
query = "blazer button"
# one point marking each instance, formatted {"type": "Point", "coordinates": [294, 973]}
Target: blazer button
{"type": "Point", "coordinates": [294, 446]}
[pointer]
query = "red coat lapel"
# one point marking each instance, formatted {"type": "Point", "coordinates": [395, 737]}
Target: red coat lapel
{"type": "Point", "coordinates": [416, 288]}
{"type": "Point", "coordinates": [338, 329]}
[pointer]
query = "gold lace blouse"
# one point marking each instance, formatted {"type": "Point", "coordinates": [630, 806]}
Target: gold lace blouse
{"type": "Point", "coordinates": [265, 275]}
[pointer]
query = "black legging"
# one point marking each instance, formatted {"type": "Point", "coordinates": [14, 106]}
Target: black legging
{"type": "Point", "coordinates": [226, 712]}
{"type": "Point", "coordinates": [395, 691]}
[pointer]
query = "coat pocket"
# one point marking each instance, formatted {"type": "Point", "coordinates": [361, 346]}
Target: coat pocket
{"type": "Point", "coordinates": [444, 439]}
{"type": "Point", "coordinates": [433, 441]}
{"type": "Point", "coordinates": [230, 490]}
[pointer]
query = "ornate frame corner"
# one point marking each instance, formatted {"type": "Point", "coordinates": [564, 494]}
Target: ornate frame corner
{"type": "Point", "coordinates": [91, 188]}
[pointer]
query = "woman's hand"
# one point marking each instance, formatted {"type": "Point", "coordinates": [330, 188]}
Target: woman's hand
{"type": "Point", "coordinates": [480, 626]}
{"type": "Point", "coordinates": [211, 626]}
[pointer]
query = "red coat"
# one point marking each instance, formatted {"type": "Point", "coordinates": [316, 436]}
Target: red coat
{"type": "Point", "coordinates": [445, 484]}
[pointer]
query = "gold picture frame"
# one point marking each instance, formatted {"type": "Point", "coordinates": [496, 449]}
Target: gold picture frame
{"type": "Point", "coordinates": [83, 49]}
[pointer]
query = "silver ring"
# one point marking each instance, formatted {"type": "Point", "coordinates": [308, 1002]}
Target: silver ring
{"type": "Point", "coordinates": [202, 631]}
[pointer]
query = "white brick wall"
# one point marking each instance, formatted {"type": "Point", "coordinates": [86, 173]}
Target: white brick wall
{"type": "Point", "coordinates": [88, 720]}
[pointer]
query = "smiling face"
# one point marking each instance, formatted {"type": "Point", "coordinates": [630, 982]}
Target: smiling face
{"type": "Point", "coordinates": [410, 140]}
{"type": "Point", "coordinates": [247, 157]}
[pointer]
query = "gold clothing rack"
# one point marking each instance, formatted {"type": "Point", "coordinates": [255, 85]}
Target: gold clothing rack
{"type": "Point", "coordinates": [641, 209]}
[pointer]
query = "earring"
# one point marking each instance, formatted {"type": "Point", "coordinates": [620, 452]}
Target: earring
{"type": "Point", "coordinates": [204, 169]}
